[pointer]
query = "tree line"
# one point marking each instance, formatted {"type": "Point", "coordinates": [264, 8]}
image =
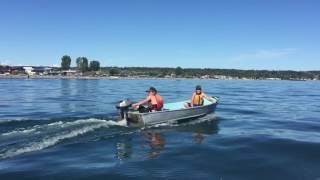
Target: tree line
{"type": "Point", "coordinates": [82, 64]}
{"type": "Point", "coordinates": [210, 73]}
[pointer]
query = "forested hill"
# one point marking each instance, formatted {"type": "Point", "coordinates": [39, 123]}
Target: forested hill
{"type": "Point", "coordinates": [211, 73]}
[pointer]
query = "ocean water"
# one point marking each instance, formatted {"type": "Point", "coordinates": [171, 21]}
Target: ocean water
{"type": "Point", "coordinates": [68, 129]}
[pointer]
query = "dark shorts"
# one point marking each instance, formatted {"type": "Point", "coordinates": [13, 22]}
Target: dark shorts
{"type": "Point", "coordinates": [143, 109]}
{"type": "Point", "coordinates": [153, 108]}
{"type": "Point", "coordinates": [189, 104]}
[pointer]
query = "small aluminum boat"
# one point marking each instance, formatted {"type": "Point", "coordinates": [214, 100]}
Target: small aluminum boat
{"type": "Point", "coordinates": [172, 113]}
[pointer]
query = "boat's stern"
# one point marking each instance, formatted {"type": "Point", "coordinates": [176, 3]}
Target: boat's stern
{"type": "Point", "coordinates": [135, 117]}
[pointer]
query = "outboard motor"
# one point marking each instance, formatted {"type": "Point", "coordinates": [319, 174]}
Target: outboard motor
{"type": "Point", "coordinates": [123, 108]}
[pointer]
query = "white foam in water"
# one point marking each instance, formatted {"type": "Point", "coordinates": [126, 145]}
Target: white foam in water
{"type": "Point", "coordinates": [62, 125]}
{"type": "Point", "coordinates": [55, 123]}
{"type": "Point", "coordinates": [2, 121]}
{"type": "Point", "coordinates": [15, 132]}
{"type": "Point", "coordinates": [30, 130]}
{"type": "Point", "coordinates": [122, 122]}
{"type": "Point", "coordinates": [87, 125]}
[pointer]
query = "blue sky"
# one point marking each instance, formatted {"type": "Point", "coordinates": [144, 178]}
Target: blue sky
{"type": "Point", "coordinates": [246, 34]}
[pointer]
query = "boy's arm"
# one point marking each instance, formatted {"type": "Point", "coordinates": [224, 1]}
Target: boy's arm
{"type": "Point", "coordinates": [141, 102]}
{"type": "Point", "coordinates": [192, 98]}
{"type": "Point", "coordinates": [207, 97]}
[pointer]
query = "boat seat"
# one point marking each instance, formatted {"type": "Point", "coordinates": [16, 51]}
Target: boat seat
{"type": "Point", "coordinates": [174, 106]}
{"type": "Point", "coordinates": [179, 105]}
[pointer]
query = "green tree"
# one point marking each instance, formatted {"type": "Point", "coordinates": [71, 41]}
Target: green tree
{"type": "Point", "coordinates": [78, 61]}
{"type": "Point", "coordinates": [178, 71]}
{"type": "Point", "coordinates": [82, 64]}
{"type": "Point", "coordinates": [94, 65]}
{"type": "Point", "coordinates": [114, 71]}
{"type": "Point", "coordinates": [65, 62]}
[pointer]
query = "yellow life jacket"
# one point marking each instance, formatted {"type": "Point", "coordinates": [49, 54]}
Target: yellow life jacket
{"type": "Point", "coordinates": [197, 100]}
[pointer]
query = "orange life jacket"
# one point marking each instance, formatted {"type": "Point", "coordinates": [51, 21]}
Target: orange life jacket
{"type": "Point", "coordinates": [156, 100]}
{"type": "Point", "coordinates": [197, 99]}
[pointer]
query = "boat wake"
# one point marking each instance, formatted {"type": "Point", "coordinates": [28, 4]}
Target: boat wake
{"type": "Point", "coordinates": [38, 137]}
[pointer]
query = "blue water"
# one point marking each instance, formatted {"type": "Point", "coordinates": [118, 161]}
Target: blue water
{"type": "Point", "coordinates": [67, 129]}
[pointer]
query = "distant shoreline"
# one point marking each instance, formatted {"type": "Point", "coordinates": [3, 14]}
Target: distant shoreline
{"type": "Point", "coordinates": [35, 77]}
{"type": "Point", "coordinates": [46, 72]}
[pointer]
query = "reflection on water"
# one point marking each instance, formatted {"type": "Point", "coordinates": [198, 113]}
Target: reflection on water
{"type": "Point", "coordinates": [154, 140]}
{"type": "Point", "coordinates": [198, 138]}
{"type": "Point", "coordinates": [123, 149]}
{"type": "Point", "coordinates": [156, 143]}
{"type": "Point", "coordinates": [66, 92]}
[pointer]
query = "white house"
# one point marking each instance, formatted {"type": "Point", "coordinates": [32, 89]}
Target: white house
{"type": "Point", "coordinates": [29, 70]}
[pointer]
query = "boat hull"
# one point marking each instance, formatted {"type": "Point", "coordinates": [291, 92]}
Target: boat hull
{"type": "Point", "coordinates": [171, 116]}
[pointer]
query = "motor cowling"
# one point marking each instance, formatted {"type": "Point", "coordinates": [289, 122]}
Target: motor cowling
{"type": "Point", "coordinates": [123, 108]}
